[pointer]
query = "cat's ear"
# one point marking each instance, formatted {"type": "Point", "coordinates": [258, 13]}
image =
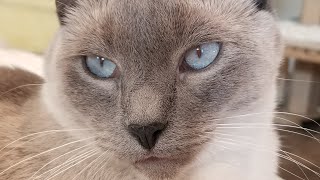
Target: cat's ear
{"type": "Point", "coordinates": [62, 7]}
{"type": "Point", "coordinates": [263, 4]}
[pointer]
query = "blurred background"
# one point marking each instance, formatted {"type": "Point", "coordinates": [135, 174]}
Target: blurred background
{"type": "Point", "coordinates": [29, 25]}
{"type": "Point", "coordinates": [299, 21]}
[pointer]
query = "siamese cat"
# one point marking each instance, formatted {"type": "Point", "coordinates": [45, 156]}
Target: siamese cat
{"type": "Point", "coordinates": [145, 90]}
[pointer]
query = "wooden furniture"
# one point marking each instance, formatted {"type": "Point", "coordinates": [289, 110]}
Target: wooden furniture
{"type": "Point", "coordinates": [311, 12]}
{"type": "Point", "coordinates": [302, 56]}
{"type": "Point", "coordinates": [306, 45]}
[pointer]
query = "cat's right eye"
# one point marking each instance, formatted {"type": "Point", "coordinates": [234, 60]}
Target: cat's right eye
{"type": "Point", "coordinates": [100, 67]}
{"type": "Point", "coordinates": [202, 56]}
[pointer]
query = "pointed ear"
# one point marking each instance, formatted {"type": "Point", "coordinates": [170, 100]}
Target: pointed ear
{"type": "Point", "coordinates": [62, 7]}
{"type": "Point", "coordinates": [263, 4]}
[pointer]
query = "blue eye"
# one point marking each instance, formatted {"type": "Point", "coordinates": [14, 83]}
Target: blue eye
{"type": "Point", "coordinates": [202, 56]}
{"type": "Point", "coordinates": [100, 66]}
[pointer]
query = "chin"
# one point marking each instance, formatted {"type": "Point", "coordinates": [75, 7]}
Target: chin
{"type": "Point", "coordinates": [161, 168]}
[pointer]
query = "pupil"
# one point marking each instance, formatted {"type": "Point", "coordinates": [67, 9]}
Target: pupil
{"type": "Point", "coordinates": [199, 52]}
{"type": "Point", "coordinates": [101, 61]}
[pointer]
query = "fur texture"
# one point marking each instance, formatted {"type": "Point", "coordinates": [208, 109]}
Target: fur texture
{"type": "Point", "coordinates": [147, 40]}
{"type": "Point", "coordinates": [23, 60]}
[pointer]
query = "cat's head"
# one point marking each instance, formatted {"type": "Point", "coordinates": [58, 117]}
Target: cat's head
{"type": "Point", "coordinates": [150, 77]}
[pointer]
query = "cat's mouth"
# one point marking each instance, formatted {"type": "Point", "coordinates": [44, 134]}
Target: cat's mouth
{"type": "Point", "coordinates": [153, 165]}
{"type": "Point", "coordinates": [164, 159]}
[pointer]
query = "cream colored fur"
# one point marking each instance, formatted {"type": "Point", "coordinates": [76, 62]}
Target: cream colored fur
{"type": "Point", "coordinates": [14, 58]}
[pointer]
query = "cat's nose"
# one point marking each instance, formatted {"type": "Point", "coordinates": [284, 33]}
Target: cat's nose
{"type": "Point", "coordinates": [147, 136]}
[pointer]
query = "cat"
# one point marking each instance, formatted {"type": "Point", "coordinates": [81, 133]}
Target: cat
{"type": "Point", "coordinates": [144, 89]}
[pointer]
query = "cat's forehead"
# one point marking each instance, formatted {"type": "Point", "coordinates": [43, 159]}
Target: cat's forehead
{"type": "Point", "coordinates": [158, 13]}
{"type": "Point", "coordinates": [148, 27]}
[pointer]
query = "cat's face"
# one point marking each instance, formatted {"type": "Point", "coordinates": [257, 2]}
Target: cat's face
{"type": "Point", "coordinates": [148, 42]}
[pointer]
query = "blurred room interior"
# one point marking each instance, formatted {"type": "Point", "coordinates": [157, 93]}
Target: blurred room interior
{"type": "Point", "coordinates": [299, 22]}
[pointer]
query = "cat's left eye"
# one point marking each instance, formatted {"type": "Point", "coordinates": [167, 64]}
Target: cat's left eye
{"type": "Point", "coordinates": [202, 56]}
{"type": "Point", "coordinates": [100, 67]}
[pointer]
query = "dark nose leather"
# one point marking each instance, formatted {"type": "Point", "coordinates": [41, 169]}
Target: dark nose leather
{"type": "Point", "coordinates": [147, 136]}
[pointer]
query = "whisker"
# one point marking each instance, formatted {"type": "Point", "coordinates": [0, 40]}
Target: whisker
{"type": "Point", "coordinates": [230, 149]}
{"type": "Point", "coordinates": [270, 125]}
{"type": "Point", "coordinates": [85, 168]}
{"type": "Point", "coordinates": [300, 158]}
{"type": "Point", "coordinates": [230, 135]}
{"type": "Point", "coordinates": [79, 154]}
{"type": "Point", "coordinates": [19, 87]}
{"type": "Point", "coordinates": [291, 173]}
{"type": "Point", "coordinates": [305, 129]}
{"type": "Point", "coordinates": [102, 165]}
{"type": "Point", "coordinates": [251, 143]}
{"type": "Point", "coordinates": [50, 150]}
{"type": "Point", "coordinates": [262, 113]}
{"type": "Point", "coordinates": [298, 127]}
{"type": "Point", "coordinates": [298, 80]}
{"type": "Point", "coordinates": [297, 165]}
{"type": "Point", "coordinates": [298, 115]}
{"type": "Point", "coordinates": [225, 147]}
{"type": "Point", "coordinates": [21, 145]}
{"type": "Point", "coordinates": [262, 148]}
{"type": "Point", "coordinates": [240, 116]}
{"type": "Point", "coordinates": [44, 132]}
{"type": "Point", "coordinates": [72, 166]}
{"type": "Point", "coordinates": [279, 155]}
{"type": "Point", "coordinates": [59, 158]}
{"type": "Point", "coordinates": [251, 126]}
{"type": "Point", "coordinates": [68, 162]}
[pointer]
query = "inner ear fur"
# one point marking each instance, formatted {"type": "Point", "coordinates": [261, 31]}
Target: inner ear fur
{"type": "Point", "coordinates": [263, 4]}
{"type": "Point", "coordinates": [62, 6]}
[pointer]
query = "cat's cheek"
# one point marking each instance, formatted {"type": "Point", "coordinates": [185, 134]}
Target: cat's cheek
{"type": "Point", "coordinates": [92, 100]}
{"type": "Point", "coordinates": [83, 98]}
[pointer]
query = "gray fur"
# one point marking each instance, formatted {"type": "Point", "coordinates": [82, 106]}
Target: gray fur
{"type": "Point", "coordinates": [147, 40]}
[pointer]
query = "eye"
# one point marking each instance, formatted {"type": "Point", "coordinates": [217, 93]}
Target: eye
{"type": "Point", "coordinates": [100, 67]}
{"type": "Point", "coordinates": [202, 56]}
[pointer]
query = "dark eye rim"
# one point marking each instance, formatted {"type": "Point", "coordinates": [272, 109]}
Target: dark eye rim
{"type": "Point", "coordinates": [184, 67]}
{"type": "Point", "coordinates": [115, 74]}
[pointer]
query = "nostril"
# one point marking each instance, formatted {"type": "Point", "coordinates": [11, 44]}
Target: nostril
{"type": "Point", "coordinates": [147, 136]}
{"type": "Point", "coordinates": [157, 134]}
